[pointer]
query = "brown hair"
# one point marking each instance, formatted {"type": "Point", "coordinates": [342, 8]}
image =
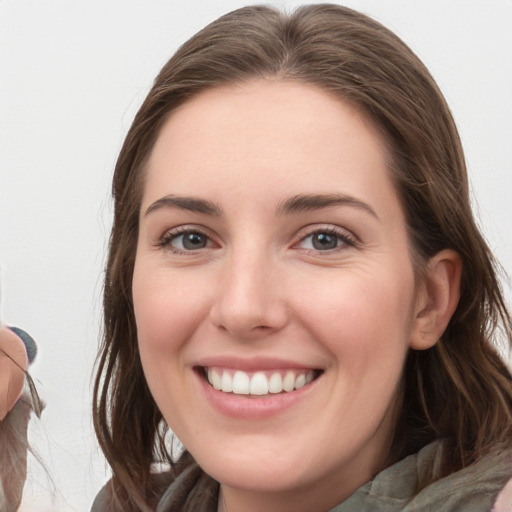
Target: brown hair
{"type": "Point", "coordinates": [460, 389]}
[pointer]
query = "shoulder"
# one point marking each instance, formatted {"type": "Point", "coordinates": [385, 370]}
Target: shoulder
{"type": "Point", "coordinates": [103, 500]}
{"type": "Point", "coordinates": [474, 488]}
{"type": "Point", "coordinates": [193, 490]}
{"type": "Point", "coordinates": [107, 501]}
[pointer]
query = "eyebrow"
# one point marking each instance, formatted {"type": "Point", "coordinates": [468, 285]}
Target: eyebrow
{"type": "Point", "coordinates": [295, 204]}
{"type": "Point", "coordinates": [191, 204]}
{"type": "Point", "coordinates": [308, 202]}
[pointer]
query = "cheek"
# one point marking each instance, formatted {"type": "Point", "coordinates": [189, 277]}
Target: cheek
{"type": "Point", "coordinates": [166, 311]}
{"type": "Point", "coordinates": [361, 316]}
{"type": "Point", "coordinates": [166, 317]}
{"type": "Point", "coordinates": [365, 324]}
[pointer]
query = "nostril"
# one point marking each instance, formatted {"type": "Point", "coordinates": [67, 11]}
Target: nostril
{"type": "Point", "coordinates": [247, 303]}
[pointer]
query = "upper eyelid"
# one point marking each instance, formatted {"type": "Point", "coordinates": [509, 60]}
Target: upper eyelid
{"type": "Point", "coordinates": [187, 228]}
{"type": "Point", "coordinates": [331, 228]}
{"type": "Point", "coordinates": [171, 233]}
{"type": "Point", "coordinates": [347, 240]}
{"type": "Point", "coordinates": [301, 234]}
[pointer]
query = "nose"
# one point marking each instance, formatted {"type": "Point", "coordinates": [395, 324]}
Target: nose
{"type": "Point", "coordinates": [250, 299]}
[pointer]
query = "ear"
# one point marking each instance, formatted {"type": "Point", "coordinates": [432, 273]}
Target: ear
{"type": "Point", "coordinates": [437, 299]}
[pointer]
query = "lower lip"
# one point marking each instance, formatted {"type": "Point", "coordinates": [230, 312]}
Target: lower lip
{"type": "Point", "coordinates": [241, 407]}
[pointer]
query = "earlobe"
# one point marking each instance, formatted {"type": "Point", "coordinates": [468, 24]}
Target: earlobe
{"type": "Point", "coordinates": [437, 299]}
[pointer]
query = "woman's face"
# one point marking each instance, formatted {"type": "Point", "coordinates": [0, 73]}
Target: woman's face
{"type": "Point", "coordinates": [273, 255]}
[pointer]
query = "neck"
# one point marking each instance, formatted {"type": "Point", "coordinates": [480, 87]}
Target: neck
{"type": "Point", "coordinates": [320, 495]}
{"type": "Point", "coordinates": [320, 500]}
{"type": "Point", "coordinates": [221, 507]}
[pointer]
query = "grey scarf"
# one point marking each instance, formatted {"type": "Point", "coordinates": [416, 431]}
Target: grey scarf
{"type": "Point", "coordinates": [472, 489]}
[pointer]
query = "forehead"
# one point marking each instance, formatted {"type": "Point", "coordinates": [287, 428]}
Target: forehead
{"type": "Point", "coordinates": [283, 134]}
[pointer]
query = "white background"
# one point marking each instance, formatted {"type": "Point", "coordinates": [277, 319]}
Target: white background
{"type": "Point", "coordinates": [72, 74]}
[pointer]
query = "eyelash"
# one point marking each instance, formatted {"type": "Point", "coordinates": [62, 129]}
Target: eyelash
{"type": "Point", "coordinates": [344, 239]}
{"type": "Point", "coordinates": [170, 236]}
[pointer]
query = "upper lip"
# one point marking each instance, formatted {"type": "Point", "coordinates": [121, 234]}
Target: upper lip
{"type": "Point", "coordinates": [253, 364]}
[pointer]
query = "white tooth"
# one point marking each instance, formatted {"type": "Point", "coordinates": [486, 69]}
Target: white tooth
{"type": "Point", "coordinates": [214, 378]}
{"type": "Point", "coordinates": [289, 381]}
{"type": "Point", "coordinates": [241, 383]}
{"type": "Point", "coordinates": [300, 381]}
{"type": "Point", "coordinates": [259, 384]}
{"type": "Point", "coordinates": [226, 382]}
{"type": "Point", "coordinates": [309, 377]}
{"type": "Point", "coordinates": [275, 384]}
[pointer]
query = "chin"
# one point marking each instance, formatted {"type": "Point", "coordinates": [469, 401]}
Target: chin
{"type": "Point", "coordinates": [256, 477]}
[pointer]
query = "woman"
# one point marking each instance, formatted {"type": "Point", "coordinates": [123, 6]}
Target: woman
{"type": "Point", "coordinates": [296, 285]}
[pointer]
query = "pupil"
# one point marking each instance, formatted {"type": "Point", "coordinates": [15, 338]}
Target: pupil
{"type": "Point", "coordinates": [324, 241]}
{"type": "Point", "coordinates": [194, 241]}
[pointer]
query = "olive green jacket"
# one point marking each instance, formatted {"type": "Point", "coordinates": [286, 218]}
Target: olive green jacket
{"type": "Point", "coordinates": [473, 489]}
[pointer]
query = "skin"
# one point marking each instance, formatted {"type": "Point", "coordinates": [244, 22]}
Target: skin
{"type": "Point", "coordinates": [13, 363]}
{"type": "Point", "coordinates": [14, 414]}
{"type": "Point", "coordinates": [258, 287]}
{"type": "Point", "coordinates": [504, 500]}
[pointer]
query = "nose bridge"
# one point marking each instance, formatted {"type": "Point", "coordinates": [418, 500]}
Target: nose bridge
{"type": "Point", "coordinates": [249, 301]}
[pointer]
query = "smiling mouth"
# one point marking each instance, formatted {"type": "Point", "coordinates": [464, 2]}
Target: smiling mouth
{"type": "Point", "coordinates": [260, 383]}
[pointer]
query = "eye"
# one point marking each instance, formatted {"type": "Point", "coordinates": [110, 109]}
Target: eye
{"type": "Point", "coordinates": [190, 241]}
{"type": "Point", "coordinates": [326, 240]}
{"type": "Point", "coordinates": [185, 240]}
